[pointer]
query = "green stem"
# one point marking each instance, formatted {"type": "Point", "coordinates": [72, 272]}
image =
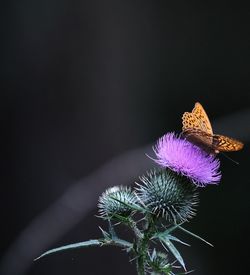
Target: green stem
{"type": "Point", "coordinates": [139, 235]}
{"type": "Point", "coordinates": [143, 246]}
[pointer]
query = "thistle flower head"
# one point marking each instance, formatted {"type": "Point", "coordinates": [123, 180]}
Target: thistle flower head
{"type": "Point", "coordinates": [168, 195]}
{"type": "Point", "coordinates": [187, 159]}
{"type": "Point", "coordinates": [116, 201]}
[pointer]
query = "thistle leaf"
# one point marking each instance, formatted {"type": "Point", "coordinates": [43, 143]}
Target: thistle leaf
{"type": "Point", "coordinates": [167, 231]}
{"type": "Point", "coordinates": [122, 243]}
{"type": "Point", "coordinates": [71, 246]}
{"type": "Point", "coordinates": [166, 242]}
{"type": "Point", "coordinates": [105, 234]}
{"type": "Point", "coordinates": [194, 235]}
{"type": "Point", "coordinates": [173, 238]}
{"type": "Point", "coordinates": [134, 207]}
{"type": "Point", "coordinates": [112, 230]}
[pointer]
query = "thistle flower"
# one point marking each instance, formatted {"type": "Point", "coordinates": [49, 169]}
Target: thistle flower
{"type": "Point", "coordinates": [168, 195]}
{"type": "Point", "coordinates": [187, 159]}
{"type": "Point", "coordinates": [116, 201]}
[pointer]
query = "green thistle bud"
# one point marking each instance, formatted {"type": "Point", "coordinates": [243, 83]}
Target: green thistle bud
{"type": "Point", "coordinates": [116, 201]}
{"type": "Point", "coordinates": [159, 263]}
{"type": "Point", "coordinates": [168, 195]}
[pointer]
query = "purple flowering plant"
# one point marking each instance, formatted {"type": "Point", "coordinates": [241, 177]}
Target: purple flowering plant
{"type": "Point", "coordinates": [160, 203]}
{"type": "Point", "coordinates": [187, 159]}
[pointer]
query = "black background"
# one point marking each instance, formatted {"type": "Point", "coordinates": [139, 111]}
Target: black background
{"type": "Point", "coordinates": [86, 81]}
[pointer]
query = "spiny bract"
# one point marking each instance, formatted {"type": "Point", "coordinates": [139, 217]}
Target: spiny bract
{"type": "Point", "coordinates": [168, 195]}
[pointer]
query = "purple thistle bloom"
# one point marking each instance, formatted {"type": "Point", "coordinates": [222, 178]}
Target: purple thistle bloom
{"type": "Point", "coordinates": [187, 159]}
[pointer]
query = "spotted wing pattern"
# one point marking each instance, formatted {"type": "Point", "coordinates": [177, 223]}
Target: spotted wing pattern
{"type": "Point", "coordinates": [226, 144]}
{"type": "Point", "coordinates": [197, 128]}
{"type": "Point", "coordinates": [198, 121]}
{"type": "Point", "coordinates": [191, 122]}
{"type": "Point", "coordinates": [204, 121]}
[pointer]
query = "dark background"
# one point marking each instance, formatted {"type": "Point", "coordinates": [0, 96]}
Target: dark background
{"type": "Point", "coordinates": [85, 82]}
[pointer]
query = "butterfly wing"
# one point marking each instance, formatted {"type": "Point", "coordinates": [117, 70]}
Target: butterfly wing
{"type": "Point", "coordinates": [201, 139]}
{"type": "Point", "coordinates": [219, 143]}
{"type": "Point", "coordinates": [226, 144]}
{"type": "Point", "coordinates": [197, 120]}
{"type": "Point", "coordinates": [190, 122]}
{"type": "Point", "coordinates": [197, 128]}
{"type": "Point", "coordinates": [197, 124]}
{"type": "Point", "coordinates": [199, 112]}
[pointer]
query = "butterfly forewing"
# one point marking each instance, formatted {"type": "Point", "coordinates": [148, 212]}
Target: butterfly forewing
{"type": "Point", "coordinates": [190, 121]}
{"type": "Point", "coordinates": [201, 115]}
{"type": "Point", "coordinates": [198, 121]}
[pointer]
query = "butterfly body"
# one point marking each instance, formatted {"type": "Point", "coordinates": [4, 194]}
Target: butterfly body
{"type": "Point", "coordinates": [198, 130]}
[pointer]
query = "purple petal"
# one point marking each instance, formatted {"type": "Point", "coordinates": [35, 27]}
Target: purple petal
{"type": "Point", "coordinates": [187, 159]}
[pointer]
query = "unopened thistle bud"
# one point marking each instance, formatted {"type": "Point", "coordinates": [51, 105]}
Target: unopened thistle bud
{"type": "Point", "coordinates": [168, 195]}
{"type": "Point", "coordinates": [116, 201]}
{"type": "Point", "coordinates": [159, 263]}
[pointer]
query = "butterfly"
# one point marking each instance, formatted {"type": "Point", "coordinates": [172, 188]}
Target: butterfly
{"type": "Point", "coordinates": [197, 128]}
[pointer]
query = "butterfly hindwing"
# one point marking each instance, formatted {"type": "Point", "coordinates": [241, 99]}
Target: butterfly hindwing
{"type": "Point", "coordinates": [200, 138]}
{"type": "Point", "coordinates": [226, 144]}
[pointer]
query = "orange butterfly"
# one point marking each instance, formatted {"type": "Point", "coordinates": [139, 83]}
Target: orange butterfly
{"type": "Point", "coordinates": [197, 128]}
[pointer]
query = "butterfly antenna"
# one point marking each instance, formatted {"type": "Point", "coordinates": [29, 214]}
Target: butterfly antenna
{"type": "Point", "coordinates": [229, 158]}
